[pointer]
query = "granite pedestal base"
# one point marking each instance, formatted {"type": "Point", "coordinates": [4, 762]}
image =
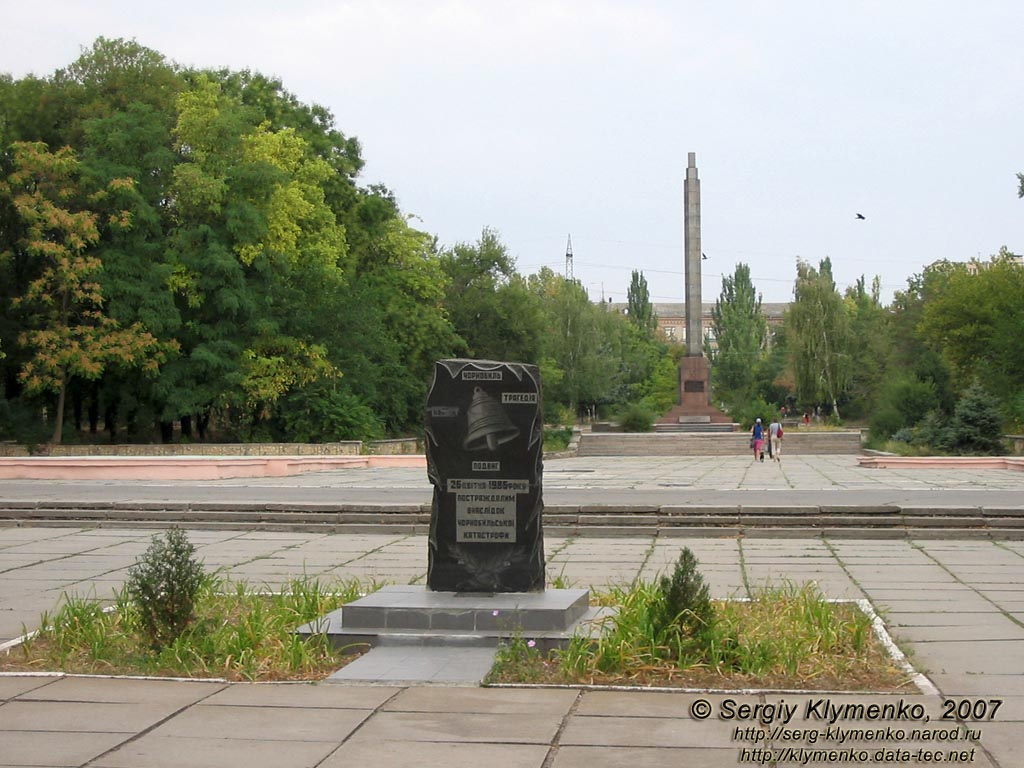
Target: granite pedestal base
{"type": "Point", "coordinates": [420, 636]}
{"type": "Point", "coordinates": [415, 614]}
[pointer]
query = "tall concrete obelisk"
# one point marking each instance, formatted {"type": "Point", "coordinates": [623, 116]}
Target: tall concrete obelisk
{"type": "Point", "coordinates": [691, 247]}
{"type": "Point", "coordinates": [694, 407]}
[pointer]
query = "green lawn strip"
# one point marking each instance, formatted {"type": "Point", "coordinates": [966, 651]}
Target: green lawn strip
{"type": "Point", "coordinates": [785, 637]}
{"type": "Point", "coordinates": [237, 633]}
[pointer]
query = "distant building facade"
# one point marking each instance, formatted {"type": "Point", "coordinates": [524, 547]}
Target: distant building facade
{"type": "Point", "coordinates": [974, 265]}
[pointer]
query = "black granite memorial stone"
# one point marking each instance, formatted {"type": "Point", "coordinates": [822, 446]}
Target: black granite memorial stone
{"type": "Point", "coordinates": [485, 449]}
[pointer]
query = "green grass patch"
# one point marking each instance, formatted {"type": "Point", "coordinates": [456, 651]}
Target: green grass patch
{"type": "Point", "coordinates": [237, 633]}
{"type": "Point", "coordinates": [786, 637]}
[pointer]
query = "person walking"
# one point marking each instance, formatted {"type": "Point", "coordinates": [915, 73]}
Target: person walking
{"type": "Point", "coordinates": [775, 440]}
{"type": "Point", "coordinates": [757, 440]}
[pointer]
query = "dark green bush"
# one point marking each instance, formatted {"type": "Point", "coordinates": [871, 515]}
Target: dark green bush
{"type": "Point", "coordinates": [321, 414]}
{"type": "Point", "coordinates": [745, 413]}
{"type": "Point", "coordinates": [903, 402]}
{"type": "Point", "coordinates": [636, 418]}
{"type": "Point", "coordinates": [974, 428]}
{"type": "Point", "coordinates": [977, 423]}
{"type": "Point", "coordinates": [19, 421]}
{"type": "Point", "coordinates": [934, 432]}
{"type": "Point", "coordinates": [557, 439]}
{"type": "Point", "coordinates": [1015, 411]}
{"type": "Point", "coordinates": [684, 608]}
{"type": "Point", "coordinates": [886, 421]}
{"type": "Point", "coordinates": [904, 435]}
{"type": "Point", "coordinates": [163, 585]}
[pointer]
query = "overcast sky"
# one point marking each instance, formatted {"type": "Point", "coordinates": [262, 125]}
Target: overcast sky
{"type": "Point", "coordinates": [544, 119]}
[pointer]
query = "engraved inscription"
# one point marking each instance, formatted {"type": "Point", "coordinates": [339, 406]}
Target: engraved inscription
{"type": "Point", "coordinates": [519, 398]}
{"type": "Point", "coordinates": [481, 375]}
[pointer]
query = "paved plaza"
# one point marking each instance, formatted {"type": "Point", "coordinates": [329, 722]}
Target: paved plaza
{"type": "Point", "coordinates": [955, 606]}
{"type": "Point", "coordinates": [626, 481]}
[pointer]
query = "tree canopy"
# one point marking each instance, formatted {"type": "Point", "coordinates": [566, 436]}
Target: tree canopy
{"type": "Point", "coordinates": [194, 248]}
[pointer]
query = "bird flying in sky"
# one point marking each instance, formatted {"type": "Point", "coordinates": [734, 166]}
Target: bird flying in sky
{"type": "Point", "coordinates": [860, 216]}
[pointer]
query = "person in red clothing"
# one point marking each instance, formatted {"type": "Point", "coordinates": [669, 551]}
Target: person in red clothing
{"type": "Point", "coordinates": [757, 438]}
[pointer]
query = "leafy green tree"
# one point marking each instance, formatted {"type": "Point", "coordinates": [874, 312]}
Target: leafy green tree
{"type": "Point", "coordinates": [819, 336]}
{"type": "Point", "coordinates": [660, 390]}
{"type": "Point", "coordinates": [870, 327]}
{"type": "Point", "coordinates": [489, 304]}
{"type": "Point", "coordinates": [975, 319]}
{"type": "Point", "coordinates": [297, 245]}
{"type": "Point", "coordinates": [644, 357]}
{"type": "Point", "coordinates": [271, 104]}
{"type": "Point", "coordinates": [577, 359]}
{"type": "Point", "coordinates": [110, 77]}
{"type": "Point", "coordinates": [638, 300]}
{"type": "Point", "coordinates": [740, 338]}
{"type": "Point", "coordinates": [909, 350]}
{"type": "Point", "coordinates": [211, 216]}
{"type": "Point", "coordinates": [30, 111]}
{"type": "Point", "coordinates": [133, 143]}
{"type": "Point", "coordinates": [773, 379]}
{"type": "Point", "coordinates": [69, 333]}
{"type": "Point", "coordinates": [255, 246]}
{"type": "Point", "coordinates": [405, 285]}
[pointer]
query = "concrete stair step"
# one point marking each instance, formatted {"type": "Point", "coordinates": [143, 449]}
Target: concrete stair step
{"type": "Point", "coordinates": [563, 520]}
{"type": "Point", "coordinates": [694, 427]}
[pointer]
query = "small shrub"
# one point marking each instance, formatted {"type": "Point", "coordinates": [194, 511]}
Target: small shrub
{"type": "Point", "coordinates": [636, 418]}
{"type": "Point", "coordinates": [934, 432]}
{"type": "Point", "coordinates": [684, 607]}
{"type": "Point", "coordinates": [163, 585]}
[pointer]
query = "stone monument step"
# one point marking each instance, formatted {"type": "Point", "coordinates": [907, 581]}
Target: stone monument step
{"type": "Point", "coordinates": [415, 608]}
{"type": "Point", "coordinates": [357, 640]}
{"type": "Point", "coordinates": [412, 664]}
{"type": "Point", "coordinates": [414, 616]}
